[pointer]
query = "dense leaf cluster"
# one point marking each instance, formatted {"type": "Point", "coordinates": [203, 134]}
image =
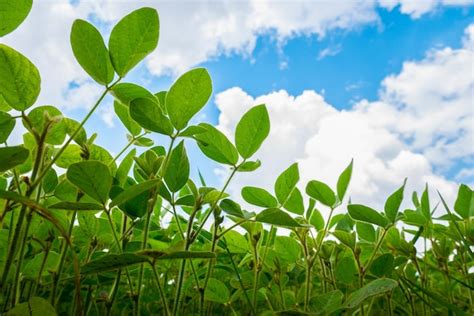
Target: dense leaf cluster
{"type": "Point", "coordinates": [85, 232]}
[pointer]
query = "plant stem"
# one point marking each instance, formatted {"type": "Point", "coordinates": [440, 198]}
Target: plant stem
{"type": "Point", "coordinates": [59, 270]}
{"type": "Point", "coordinates": [179, 283]}
{"type": "Point", "coordinates": [389, 305]}
{"type": "Point", "coordinates": [130, 143]}
{"type": "Point", "coordinates": [160, 289]}
{"type": "Point", "coordinates": [211, 209]}
{"type": "Point", "coordinates": [114, 289]}
{"type": "Point", "coordinates": [211, 264]}
{"type": "Point", "coordinates": [12, 249]}
{"type": "Point", "coordinates": [74, 134]}
{"type": "Point", "coordinates": [374, 253]}
{"type": "Point", "coordinates": [255, 276]}
{"type": "Point", "coordinates": [151, 207]}
{"type": "Point", "coordinates": [239, 278]}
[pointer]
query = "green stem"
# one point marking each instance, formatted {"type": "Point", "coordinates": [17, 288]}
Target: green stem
{"type": "Point", "coordinates": [238, 277]}
{"type": "Point", "coordinates": [59, 270]}
{"type": "Point", "coordinates": [181, 232]}
{"type": "Point", "coordinates": [150, 209]}
{"type": "Point", "coordinates": [210, 266]}
{"type": "Point", "coordinates": [114, 289]}
{"type": "Point", "coordinates": [130, 143]}
{"type": "Point", "coordinates": [374, 253]}
{"type": "Point", "coordinates": [160, 289]}
{"type": "Point", "coordinates": [13, 246]}
{"type": "Point", "coordinates": [389, 305]}
{"type": "Point", "coordinates": [182, 269]}
{"type": "Point", "coordinates": [211, 209]}
{"type": "Point", "coordinates": [255, 276]}
{"type": "Point", "coordinates": [74, 134]}
{"type": "Point", "coordinates": [43, 264]}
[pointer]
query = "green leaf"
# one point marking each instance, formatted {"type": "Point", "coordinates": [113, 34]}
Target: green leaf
{"type": "Point", "coordinates": [133, 38]}
{"type": "Point", "coordinates": [133, 191]}
{"type": "Point", "coordinates": [148, 115]}
{"type": "Point", "coordinates": [32, 269]}
{"type": "Point", "coordinates": [177, 171]}
{"type": "Point", "coordinates": [321, 192]}
{"type": "Point", "coordinates": [251, 131]}
{"type": "Point", "coordinates": [346, 238]}
{"type": "Point", "coordinates": [365, 231]}
{"type": "Point", "coordinates": [7, 124]}
{"type": "Point", "coordinates": [346, 270]}
{"type": "Point", "coordinates": [216, 291]}
{"type": "Point", "coordinates": [77, 206]}
{"type": "Point", "coordinates": [392, 205]}
{"type": "Point", "coordinates": [375, 287]}
{"type": "Point", "coordinates": [161, 96]}
{"type": "Point", "coordinates": [144, 142]}
{"type": "Point", "coordinates": [383, 265]}
{"type": "Point", "coordinates": [91, 177]}
{"type": "Point", "coordinates": [124, 116]}
{"type": "Point", "coordinates": [295, 202]}
{"type": "Point", "coordinates": [112, 262]}
{"type": "Point", "coordinates": [124, 168]}
{"type": "Point", "coordinates": [50, 181]}
{"type": "Point", "coordinates": [286, 182]}
{"type": "Point", "coordinates": [231, 208]}
{"type": "Point", "coordinates": [258, 196]}
{"type": "Point", "coordinates": [328, 303]}
{"type": "Point", "coordinates": [12, 14]}
{"type": "Point", "coordinates": [464, 204]}
{"type": "Point", "coordinates": [249, 166]}
{"type": "Point", "coordinates": [136, 202]}
{"type": "Point", "coordinates": [70, 155]}
{"type": "Point", "coordinates": [215, 145]}
{"type": "Point", "coordinates": [127, 92]}
{"type": "Point", "coordinates": [288, 249]}
{"type": "Point", "coordinates": [192, 130]}
{"type": "Point", "coordinates": [317, 219]}
{"type": "Point", "coordinates": [187, 96]}
{"type": "Point", "coordinates": [235, 242]}
{"type": "Point", "coordinates": [425, 204]}
{"type": "Point", "coordinates": [415, 218]}
{"type": "Point", "coordinates": [90, 51]}
{"type": "Point", "coordinates": [36, 306]}
{"type": "Point", "coordinates": [49, 117]}
{"type": "Point", "coordinates": [366, 214]}
{"type": "Point", "coordinates": [160, 255]}
{"type": "Point", "coordinates": [275, 216]}
{"type": "Point", "coordinates": [12, 156]}
{"type": "Point", "coordinates": [39, 209]}
{"type": "Point", "coordinates": [343, 181]}
{"type": "Point", "coordinates": [71, 126]}
{"type": "Point", "coordinates": [19, 79]}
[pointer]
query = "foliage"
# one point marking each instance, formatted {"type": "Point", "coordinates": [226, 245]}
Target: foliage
{"type": "Point", "coordinates": [83, 232]}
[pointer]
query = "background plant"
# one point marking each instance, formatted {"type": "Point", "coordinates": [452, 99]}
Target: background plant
{"type": "Point", "coordinates": [84, 232]}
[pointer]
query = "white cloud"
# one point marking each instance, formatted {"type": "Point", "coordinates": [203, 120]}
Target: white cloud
{"type": "Point", "coordinates": [423, 120]}
{"type": "Point", "coordinates": [436, 104]}
{"type": "Point", "coordinates": [417, 8]}
{"type": "Point", "coordinates": [191, 32]}
{"type": "Point", "coordinates": [329, 51]}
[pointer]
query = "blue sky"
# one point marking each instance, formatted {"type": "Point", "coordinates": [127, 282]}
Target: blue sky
{"type": "Point", "coordinates": [369, 64]}
{"type": "Point", "coordinates": [357, 62]}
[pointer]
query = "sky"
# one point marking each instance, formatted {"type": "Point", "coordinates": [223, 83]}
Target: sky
{"type": "Point", "coordinates": [389, 83]}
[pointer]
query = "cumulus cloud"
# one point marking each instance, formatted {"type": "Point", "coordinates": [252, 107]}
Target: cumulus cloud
{"type": "Point", "coordinates": [423, 120]}
{"type": "Point", "coordinates": [417, 8]}
{"type": "Point", "coordinates": [191, 33]}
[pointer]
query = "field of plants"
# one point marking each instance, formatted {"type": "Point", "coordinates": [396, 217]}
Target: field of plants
{"type": "Point", "coordinates": [82, 232]}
